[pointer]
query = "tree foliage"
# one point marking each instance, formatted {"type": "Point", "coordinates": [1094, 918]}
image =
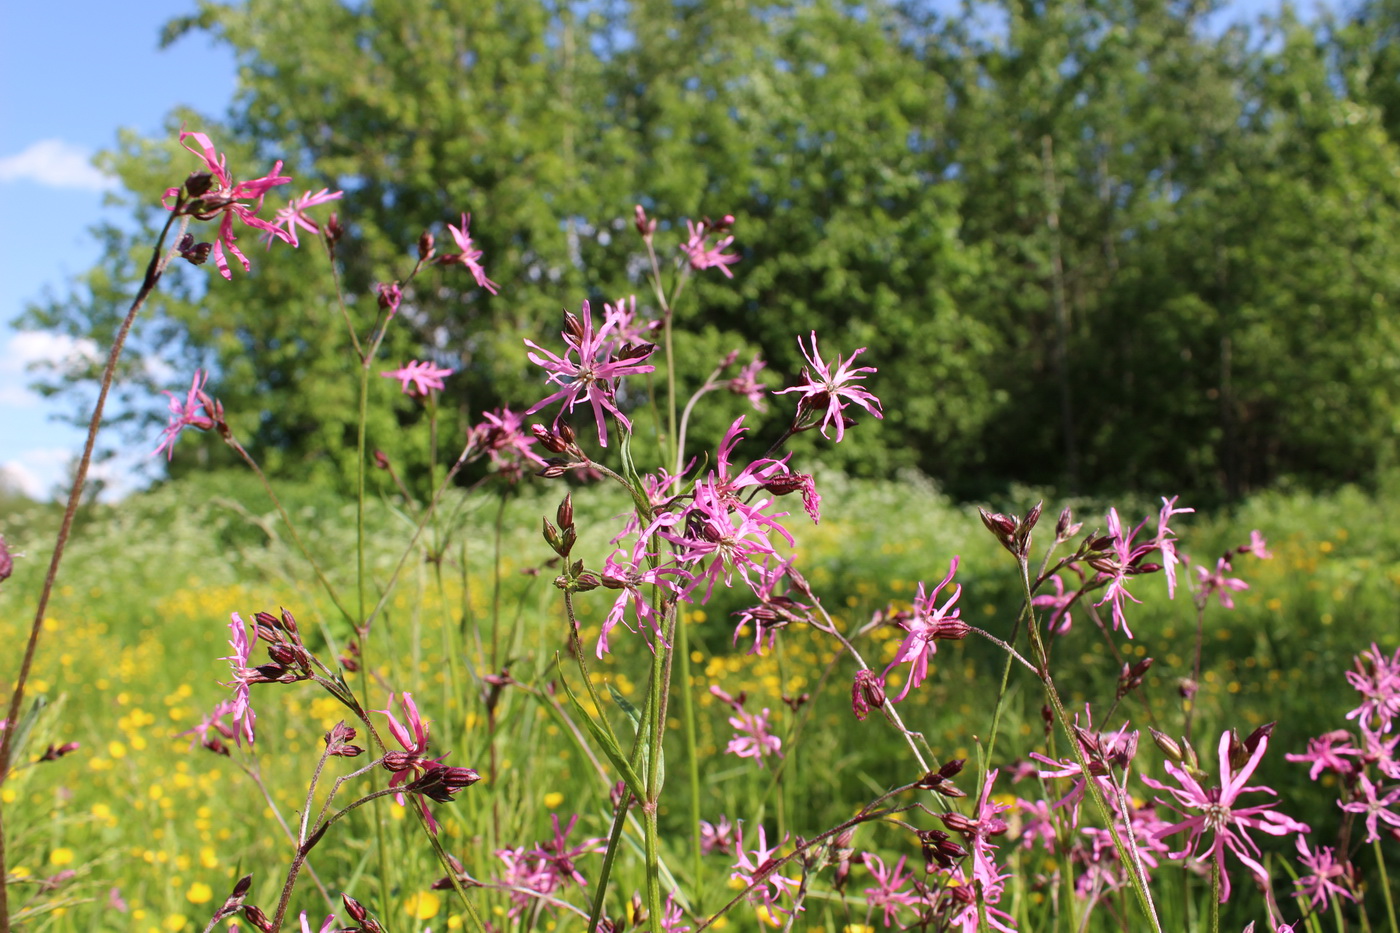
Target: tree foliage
{"type": "Point", "coordinates": [1087, 242]}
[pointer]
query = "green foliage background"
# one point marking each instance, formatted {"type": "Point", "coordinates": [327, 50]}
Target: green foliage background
{"type": "Point", "coordinates": [1096, 245]}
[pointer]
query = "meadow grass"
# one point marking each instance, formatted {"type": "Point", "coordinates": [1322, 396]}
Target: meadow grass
{"type": "Point", "coordinates": [134, 637]}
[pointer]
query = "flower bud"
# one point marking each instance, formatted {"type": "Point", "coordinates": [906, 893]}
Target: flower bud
{"type": "Point", "coordinates": [1066, 527]}
{"type": "Point", "coordinates": [565, 513]}
{"type": "Point", "coordinates": [425, 246]}
{"type": "Point", "coordinates": [1167, 745]}
{"type": "Point", "coordinates": [198, 184]}
{"type": "Point", "coordinates": [258, 919]}
{"type": "Point", "coordinates": [333, 231]}
{"type": "Point", "coordinates": [645, 226]}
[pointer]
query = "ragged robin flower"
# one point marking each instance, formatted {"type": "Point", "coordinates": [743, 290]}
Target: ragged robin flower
{"type": "Point", "coordinates": [220, 196]}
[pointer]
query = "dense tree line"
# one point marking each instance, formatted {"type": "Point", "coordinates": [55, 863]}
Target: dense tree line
{"type": "Point", "coordinates": [1090, 243]}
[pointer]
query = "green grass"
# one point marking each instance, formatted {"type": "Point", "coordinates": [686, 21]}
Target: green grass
{"type": "Point", "coordinates": [131, 648]}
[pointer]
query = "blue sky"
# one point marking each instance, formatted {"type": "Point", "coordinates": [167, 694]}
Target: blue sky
{"type": "Point", "coordinates": [73, 74]}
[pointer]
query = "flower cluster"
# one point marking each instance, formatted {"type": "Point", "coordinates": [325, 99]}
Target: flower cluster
{"type": "Point", "coordinates": [412, 769]}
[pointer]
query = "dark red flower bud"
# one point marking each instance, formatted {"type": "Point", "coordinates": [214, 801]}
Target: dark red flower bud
{"type": "Point", "coordinates": [333, 230]}
{"type": "Point", "coordinates": [425, 246]}
{"type": "Point", "coordinates": [198, 184]}
{"type": "Point", "coordinates": [868, 690]}
{"type": "Point", "coordinates": [257, 918]}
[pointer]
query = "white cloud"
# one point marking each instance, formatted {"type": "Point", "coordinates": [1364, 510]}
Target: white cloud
{"type": "Point", "coordinates": [15, 475]}
{"type": "Point", "coordinates": [54, 163]}
{"type": "Point", "coordinates": [46, 472]}
{"type": "Point", "coordinates": [38, 346]}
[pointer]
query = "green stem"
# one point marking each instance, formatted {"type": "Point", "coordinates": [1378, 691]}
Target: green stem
{"type": "Point", "coordinates": [1385, 886]}
{"type": "Point", "coordinates": [692, 759]}
{"type": "Point", "coordinates": [1136, 874]}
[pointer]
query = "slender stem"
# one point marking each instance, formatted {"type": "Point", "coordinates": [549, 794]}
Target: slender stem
{"type": "Point", "coordinates": [154, 270]}
{"type": "Point", "coordinates": [1136, 876]}
{"type": "Point", "coordinates": [692, 757]}
{"type": "Point", "coordinates": [1385, 886]}
{"type": "Point", "coordinates": [1215, 896]}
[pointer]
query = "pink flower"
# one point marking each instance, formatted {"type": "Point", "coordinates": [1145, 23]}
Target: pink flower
{"type": "Point", "coordinates": [752, 738]}
{"type": "Point", "coordinates": [1117, 569]}
{"type": "Point", "coordinates": [622, 318]}
{"type": "Point", "coordinates": [1167, 544]}
{"type": "Point", "coordinates": [212, 730]}
{"type": "Point", "coordinates": [704, 256]}
{"type": "Point", "coordinates": [226, 199]}
{"type": "Point", "coordinates": [1321, 883]}
{"type": "Point", "coordinates": [1256, 546]}
{"type": "Point", "coordinates": [928, 625]}
{"type": "Point", "coordinates": [470, 256]}
{"type": "Point", "coordinates": [1328, 751]}
{"type": "Point", "coordinates": [760, 870]}
{"type": "Point", "coordinates": [502, 436]}
{"type": "Point", "coordinates": [325, 926]}
{"type": "Point", "coordinates": [887, 895]}
{"type": "Point", "coordinates": [294, 215]}
{"type": "Point", "coordinates": [1377, 678]}
{"type": "Point", "coordinates": [557, 857]}
{"type": "Point", "coordinates": [730, 535]}
{"type": "Point", "coordinates": [418, 379]}
{"type": "Point", "coordinates": [1217, 584]}
{"type": "Point", "coordinates": [1058, 603]}
{"type": "Point", "coordinates": [1215, 811]}
{"type": "Point", "coordinates": [187, 414]}
{"type": "Point", "coordinates": [243, 716]}
{"type": "Point", "coordinates": [1374, 805]}
{"type": "Point", "coordinates": [748, 385]}
{"type": "Point", "coordinates": [825, 391]}
{"type": "Point", "coordinates": [593, 375]}
{"type": "Point", "coordinates": [716, 837]}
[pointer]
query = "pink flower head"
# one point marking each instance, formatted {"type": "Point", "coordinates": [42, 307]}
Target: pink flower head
{"type": "Point", "coordinates": [825, 391]}
{"type": "Point", "coordinates": [1376, 806]}
{"type": "Point", "coordinates": [888, 894]}
{"type": "Point", "coordinates": [752, 738]}
{"type": "Point", "coordinates": [502, 436]}
{"type": "Point", "coordinates": [747, 384]}
{"type": "Point", "coordinates": [1058, 603]}
{"type": "Point", "coordinates": [1329, 751]}
{"type": "Point", "coordinates": [626, 327]}
{"type": "Point", "coordinates": [558, 858]}
{"type": "Point", "coordinates": [1324, 874]}
{"type": "Point", "coordinates": [1377, 678]}
{"type": "Point", "coordinates": [702, 254]}
{"type": "Point", "coordinates": [228, 199]}
{"type": "Point", "coordinates": [1217, 584]}
{"type": "Point", "coordinates": [761, 870]}
{"type": "Point", "coordinates": [728, 534]}
{"type": "Point", "coordinates": [187, 414]}
{"type": "Point", "coordinates": [1214, 820]}
{"type": "Point", "coordinates": [418, 379]}
{"type": "Point", "coordinates": [1257, 546]}
{"type": "Point", "coordinates": [717, 837]}
{"type": "Point", "coordinates": [773, 611]}
{"type": "Point", "coordinates": [1166, 543]}
{"type": "Point", "coordinates": [212, 731]}
{"type": "Point", "coordinates": [243, 676]}
{"type": "Point", "coordinates": [294, 215]}
{"type": "Point", "coordinates": [927, 625]}
{"type": "Point", "coordinates": [589, 369]}
{"type": "Point", "coordinates": [470, 256]}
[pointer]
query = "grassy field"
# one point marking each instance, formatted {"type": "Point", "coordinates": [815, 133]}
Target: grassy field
{"type": "Point", "coordinates": [155, 832]}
